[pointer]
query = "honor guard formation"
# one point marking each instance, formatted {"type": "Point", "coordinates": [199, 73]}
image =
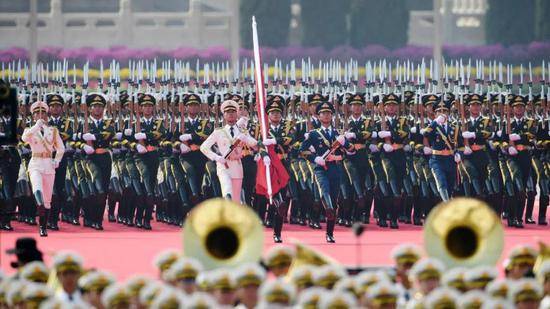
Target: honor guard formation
{"type": "Point", "coordinates": [286, 277]}
{"type": "Point", "coordinates": [383, 148]}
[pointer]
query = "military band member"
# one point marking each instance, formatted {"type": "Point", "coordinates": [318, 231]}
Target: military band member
{"type": "Point", "coordinates": [65, 128]}
{"type": "Point", "coordinates": [96, 143]}
{"type": "Point", "coordinates": [322, 150]}
{"type": "Point", "coordinates": [44, 140]}
{"type": "Point", "coordinates": [229, 140]}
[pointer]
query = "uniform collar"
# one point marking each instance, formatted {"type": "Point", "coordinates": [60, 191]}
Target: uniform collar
{"type": "Point", "coordinates": [357, 119]}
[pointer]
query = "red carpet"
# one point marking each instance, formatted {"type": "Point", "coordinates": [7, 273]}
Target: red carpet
{"type": "Point", "coordinates": [126, 251]}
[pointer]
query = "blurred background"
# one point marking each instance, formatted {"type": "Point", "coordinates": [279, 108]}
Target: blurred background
{"type": "Point", "coordinates": [219, 30]}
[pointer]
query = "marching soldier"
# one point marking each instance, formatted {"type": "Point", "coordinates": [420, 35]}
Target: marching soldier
{"type": "Point", "coordinates": [229, 140]}
{"type": "Point", "coordinates": [322, 148]}
{"type": "Point", "coordinates": [148, 134]}
{"type": "Point", "coordinates": [44, 140]}
{"type": "Point", "coordinates": [441, 144]}
{"type": "Point", "coordinates": [520, 130]}
{"type": "Point", "coordinates": [97, 132]}
{"type": "Point", "coordinates": [65, 128]}
{"type": "Point", "coordinates": [394, 132]}
{"type": "Point", "coordinates": [194, 133]}
{"type": "Point", "coordinates": [356, 162]}
{"type": "Point", "coordinates": [540, 163]}
{"type": "Point", "coordinates": [476, 159]}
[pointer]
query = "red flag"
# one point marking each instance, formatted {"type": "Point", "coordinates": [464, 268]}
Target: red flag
{"type": "Point", "coordinates": [270, 180]}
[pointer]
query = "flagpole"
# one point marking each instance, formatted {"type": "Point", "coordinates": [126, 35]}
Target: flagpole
{"type": "Point", "coordinates": [260, 96]}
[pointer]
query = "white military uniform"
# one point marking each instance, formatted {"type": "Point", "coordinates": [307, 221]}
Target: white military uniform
{"type": "Point", "coordinates": [230, 174]}
{"type": "Point", "coordinates": [43, 140]}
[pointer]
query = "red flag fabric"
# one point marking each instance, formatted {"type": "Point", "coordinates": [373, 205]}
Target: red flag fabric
{"type": "Point", "coordinates": [279, 175]}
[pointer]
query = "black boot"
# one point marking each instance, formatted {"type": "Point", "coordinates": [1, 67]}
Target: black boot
{"type": "Point", "coordinates": [43, 221]}
{"type": "Point", "coordinates": [529, 208]}
{"type": "Point", "coordinates": [519, 209]}
{"type": "Point", "coordinates": [543, 205]}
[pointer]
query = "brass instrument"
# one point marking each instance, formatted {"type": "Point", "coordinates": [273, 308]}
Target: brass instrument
{"type": "Point", "coordinates": [464, 232]}
{"type": "Point", "coordinates": [222, 233]}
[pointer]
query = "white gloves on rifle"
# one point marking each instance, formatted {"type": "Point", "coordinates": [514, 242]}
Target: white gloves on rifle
{"type": "Point", "coordinates": [467, 150]}
{"type": "Point", "coordinates": [185, 137]}
{"type": "Point", "coordinates": [220, 160]}
{"type": "Point", "coordinates": [388, 147]}
{"type": "Point", "coordinates": [141, 149]}
{"type": "Point", "coordinates": [384, 134]}
{"type": "Point", "coordinates": [341, 139]}
{"type": "Point", "coordinates": [427, 151]}
{"type": "Point", "coordinates": [320, 161]}
{"type": "Point", "coordinates": [140, 136]}
{"type": "Point", "coordinates": [514, 137]}
{"type": "Point", "coordinates": [306, 135]}
{"type": "Point", "coordinates": [269, 141]}
{"type": "Point", "coordinates": [440, 119]}
{"type": "Point", "coordinates": [88, 149]}
{"type": "Point", "coordinates": [88, 137]}
{"type": "Point", "coordinates": [422, 131]}
{"type": "Point", "coordinates": [184, 148]}
{"type": "Point", "coordinates": [512, 151]}
{"type": "Point", "coordinates": [468, 134]}
{"type": "Point", "coordinates": [499, 133]}
{"type": "Point", "coordinates": [373, 148]}
{"type": "Point", "coordinates": [349, 135]}
{"type": "Point", "coordinates": [413, 130]}
{"type": "Point", "coordinates": [118, 136]}
{"type": "Point", "coordinates": [267, 160]}
{"type": "Point", "coordinates": [127, 132]}
{"type": "Point", "coordinates": [457, 158]}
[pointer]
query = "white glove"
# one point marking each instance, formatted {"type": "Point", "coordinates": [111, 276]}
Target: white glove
{"type": "Point", "coordinates": [499, 133]}
{"type": "Point", "coordinates": [320, 161]}
{"type": "Point", "coordinates": [88, 137]}
{"type": "Point", "coordinates": [118, 136]}
{"type": "Point", "coordinates": [413, 130]}
{"type": "Point", "coordinates": [467, 150]}
{"type": "Point", "coordinates": [374, 134]}
{"type": "Point", "coordinates": [427, 151]}
{"type": "Point", "coordinates": [512, 151]}
{"type": "Point", "coordinates": [127, 132]}
{"type": "Point", "coordinates": [141, 149]}
{"type": "Point", "coordinates": [242, 137]}
{"type": "Point", "coordinates": [184, 148]}
{"type": "Point", "coordinates": [373, 148]}
{"type": "Point", "coordinates": [468, 134]}
{"type": "Point", "coordinates": [220, 160]}
{"type": "Point", "coordinates": [349, 135]}
{"type": "Point", "coordinates": [242, 122]}
{"type": "Point", "coordinates": [39, 123]}
{"type": "Point", "coordinates": [440, 119]}
{"type": "Point", "coordinates": [88, 149]}
{"type": "Point", "coordinates": [407, 148]}
{"type": "Point", "coordinates": [457, 158]}
{"type": "Point", "coordinates": [267, 160]}
{"type": "Point", "coordinates": [306, 135]}
{"type": "Point", "coordinates": [341, 139]}
{"type": "Point", "coordinates": [185, 137]}
{"type": "Point", "coordinates": [384, 134]}
{"type": "Point", "coordinates": [77, 136]}
{"type": "Point", "coordinates": [55, 163]}
{"type": "Point", "coordinates": [422, 131]}
{"type": "Point", "coordinates": [68, 146]}
{"type": "Point", "coordinates": [257, 157]}
{"type": "Point", "coordinates": [269, 141]}
{"type": "Point", "coordinates": [514, 137]}
{"type": "Point", "coordinates": [388, 148]}
{"type": "Point", "coordinates": [140, 136]}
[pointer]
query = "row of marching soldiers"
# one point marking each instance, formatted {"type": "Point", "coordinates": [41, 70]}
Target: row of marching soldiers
{"type": "Point", "coordinates": [388, 157]}
{"type": "Point", "coordinates": [414, 281]}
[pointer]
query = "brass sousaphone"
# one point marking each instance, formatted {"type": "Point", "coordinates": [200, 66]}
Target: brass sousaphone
{"type": "Point", "coordinates": [222, 233]}
{"type": "Point", "coordinates": [464, 232]}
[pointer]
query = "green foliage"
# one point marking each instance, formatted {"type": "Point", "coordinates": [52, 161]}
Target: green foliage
{"type": "Point", "coordinates": [510, 22]}
{"type": "Point", "coordinates": [324, 22]}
